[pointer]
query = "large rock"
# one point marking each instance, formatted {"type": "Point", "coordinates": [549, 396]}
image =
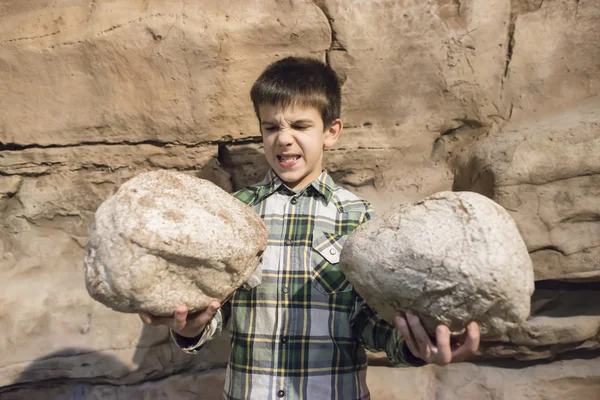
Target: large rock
{"type": "Point", "coordinates": [546, 173]}
{"type": "Point", "coordinates": [142, 71]}
{"type": "Point", "coordinates": [565, 317]}
{"type": "Point", "coordinates": [563, 379]}
{"type": "Point", "coordinates": [96, 92]}
{"type": "Point", "coordinates": [452, 258]}
{"type": "Point", "coordinates": [553, 57]}
{"type": "Point", "coordinates": [167, 239]}
{"type": "Point", "coordinates": [190, 385]}
{"type": "Point", "coordinates": [494, 380]}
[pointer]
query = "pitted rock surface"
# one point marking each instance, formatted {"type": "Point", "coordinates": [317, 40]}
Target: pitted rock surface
{"type": "Point", "coordinates": [546, 173]}
{"type": "Point", "coordinates": [452, 258]}
{"type": "Point", "coordinates": [96, 92]}
{"type": "Point", "coordinates": [167, 239]}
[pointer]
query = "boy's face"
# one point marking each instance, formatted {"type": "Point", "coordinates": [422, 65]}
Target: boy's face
{"type": "Point", "coordinates": [294, 139]}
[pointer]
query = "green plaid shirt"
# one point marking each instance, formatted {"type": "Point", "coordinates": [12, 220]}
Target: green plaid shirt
{"type": "Point", "coordinates": [302, 332]}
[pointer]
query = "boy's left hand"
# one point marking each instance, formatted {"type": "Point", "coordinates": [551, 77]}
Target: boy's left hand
{"type": "Point", "coordinates": [446, 350]}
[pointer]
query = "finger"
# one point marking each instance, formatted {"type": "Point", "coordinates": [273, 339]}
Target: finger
{"type": "Point", "coordinates": [145, 317]}
{"type": "Point", "coordinates": [211, 310]}
{"type": "Point", "coordinates": [203, 318]}
{"type": "Point", "coordinates": [214, 306]}
{"type": "Point", "coordinates": [422, 338]}
{"type": "Point", "coordinates": [471, 344]}
{"type": "Point", "coordinates": [444, 352]}
{"type": "Point", "coordinates": [179, 318]}
{"type": "Point", "coordinates": [406, 334]}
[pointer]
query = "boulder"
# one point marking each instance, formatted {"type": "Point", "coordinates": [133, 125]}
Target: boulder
{"type": "Point", "coordinates": [546, 173]}
{"type": "Point", "coordinates": [167, 239]}
{"type": "Point", "coordinates": [452, 258]}
{"type": "Point", "coordinates": [96, 92]}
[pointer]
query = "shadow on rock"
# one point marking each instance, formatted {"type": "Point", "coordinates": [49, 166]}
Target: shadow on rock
{"type": "Point", "coordinates": [235, 167]}
{"type": "Point", "coordinates": [68, 374]}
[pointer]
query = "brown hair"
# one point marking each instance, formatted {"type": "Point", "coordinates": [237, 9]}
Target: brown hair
{"type": "Point", "coordinates": [307, 82]}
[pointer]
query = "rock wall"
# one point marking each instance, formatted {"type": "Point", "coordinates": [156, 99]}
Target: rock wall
{"type": "Point", "coordinates": [546, 173]}
{"type": "Point", "coordinates": [96, 91]}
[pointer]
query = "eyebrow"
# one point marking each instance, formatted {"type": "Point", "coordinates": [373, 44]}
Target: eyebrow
{"type": "Point", "coordinates": [300, 121]}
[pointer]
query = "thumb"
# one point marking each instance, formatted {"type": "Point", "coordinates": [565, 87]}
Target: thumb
{"type": "Point", "coordinates": [212, 309]}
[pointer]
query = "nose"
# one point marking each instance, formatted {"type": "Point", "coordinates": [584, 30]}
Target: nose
{"type": "Point", "coordinates": [285, 138]}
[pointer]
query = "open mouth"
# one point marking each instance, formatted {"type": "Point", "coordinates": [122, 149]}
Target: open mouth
{"type": "Point", "coordinates": [287, 158]}
{"type": "Point", "coordinates": [288, 161]}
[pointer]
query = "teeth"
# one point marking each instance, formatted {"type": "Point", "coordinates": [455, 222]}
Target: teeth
{"type": "Point", "coordinates": [288, 159]}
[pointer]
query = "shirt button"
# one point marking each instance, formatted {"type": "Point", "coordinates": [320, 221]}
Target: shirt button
{"type": "Point", "coordinates": [288, 242]}
{"type": "Point", "coordinates": [333, 251]}
{"type": "Point", "coordinates": [280, 393]}
{"type": "Point", "coordinates": [294, 201]}
{"type": "Point", "coordinates": [284, 339]}
{"type": "Point", "coordinates": [285, 289]}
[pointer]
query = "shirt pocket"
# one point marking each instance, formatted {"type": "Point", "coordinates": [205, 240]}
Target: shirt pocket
{"type": "Point", "coordinates": [246, 293]}
{"type": "Point", "coordinates": [327, 276]}
{"type": "Point", "coordinates": [255, 279]}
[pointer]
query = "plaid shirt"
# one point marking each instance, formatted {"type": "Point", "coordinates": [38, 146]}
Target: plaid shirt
{"type": "Point", "coordinates": [301, 332]}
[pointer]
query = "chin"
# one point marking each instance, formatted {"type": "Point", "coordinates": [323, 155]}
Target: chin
{"type": "Point", "coordinates": [291, 179]}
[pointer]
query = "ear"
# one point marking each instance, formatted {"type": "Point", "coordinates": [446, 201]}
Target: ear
{"type": "Point", "coordinates": [332, 134]}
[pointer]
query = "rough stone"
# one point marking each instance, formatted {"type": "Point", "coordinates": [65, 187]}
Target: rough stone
{"type": "Point", "coordinates": [142, 71]}
{"type": "Point", "coordinates": [567, 378]}
{"type": "Point", "coordinates": [458, 49]}
{"type": "Point", "coordinates": [167, 239]}
{"type": "Point", "coordinates": [504, 380]}
{"type": "Point", "coordinates": [96, 92]}
{"type": "Point", "coordinates": [387, 383]}
{"type": "Point", "coordinates": [565, 317]}
{"type": "Point", "coordinates": [546, 173]}
{"type": "Point", "coordinates": [452, 258]}
{"type": "Point", "coordinates": [189, 385]}
{"type": "Point", "coordinates": [564, 379]}
{"type": "Point", "coordinates": [9, 185]}
{"type": "Point", "coordinates": [553, 58]}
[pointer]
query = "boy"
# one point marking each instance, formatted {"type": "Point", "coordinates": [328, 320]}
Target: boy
{"type": "Point", "coordinates": [301, 332]}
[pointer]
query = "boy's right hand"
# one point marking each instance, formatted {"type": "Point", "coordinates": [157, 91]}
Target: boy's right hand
{"type": "Point", "coordinates": [181, 323]}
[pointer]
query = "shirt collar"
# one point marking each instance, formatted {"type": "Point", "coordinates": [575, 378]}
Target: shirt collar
{"type": "Point", "coordinates": [323, 185]}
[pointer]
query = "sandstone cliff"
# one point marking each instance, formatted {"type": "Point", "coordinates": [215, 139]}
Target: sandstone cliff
{"type": "Point", "coordinates": [94, 92]}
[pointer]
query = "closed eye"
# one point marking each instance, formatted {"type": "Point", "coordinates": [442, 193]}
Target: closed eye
{"type": "Point", "coordinates": [300, 127]}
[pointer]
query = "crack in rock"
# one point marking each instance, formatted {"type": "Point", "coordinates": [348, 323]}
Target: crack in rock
{"type": "Point", "coordinates": [30, 37]}
{"type": "Point", "coordinates": [11, 146]}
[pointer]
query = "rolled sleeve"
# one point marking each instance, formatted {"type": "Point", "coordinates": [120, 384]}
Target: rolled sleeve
{"type": "Point", "coordinates": [193, 345]}
{"type": "Point", "coordinates": [376, 334]}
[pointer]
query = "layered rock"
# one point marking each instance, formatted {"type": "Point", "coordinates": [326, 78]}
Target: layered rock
{"type": "Point", "coordinates": [190, 385]}
{"type": "Point", "coordinates": [565, 317]}
{"type": "Point", "coordinates": [572, 378]}
{"type": "Point", "coordinates": [167, 239]}
{"type": "Point", "coordinates": [116, 71]}
{"type": "Point", "coordinates": [546, 173]}
{"type": "Point", "coordinates": [95, 92]}
{"type": "Point", "coordinates": [451, 258]}
{"type": "Point", "coordinates": [563, 379]}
